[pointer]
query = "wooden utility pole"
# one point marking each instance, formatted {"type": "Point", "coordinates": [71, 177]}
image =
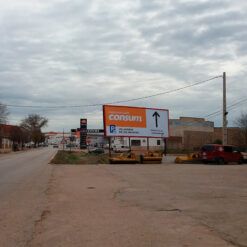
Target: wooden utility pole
{"type": "Point", "coordinates": [224, 124]}
{"type": "Point", "coordinates": [63, 139]}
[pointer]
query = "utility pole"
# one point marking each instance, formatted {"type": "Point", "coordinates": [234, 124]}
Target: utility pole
{"type": "Point", "coordinates": [224, 125]}
{"type": "Point", "coordinates": [70, 141]}
{"type": "Point", "coordinates": [63, 139]}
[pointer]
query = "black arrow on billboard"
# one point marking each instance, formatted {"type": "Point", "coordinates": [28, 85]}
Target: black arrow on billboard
{"type": "Point", "coordinates": [156, 115]}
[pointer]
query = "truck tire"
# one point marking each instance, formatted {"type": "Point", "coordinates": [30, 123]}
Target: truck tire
{"type": "Point", "coordinates": [241, 161]}
{"type": "Point", "coordinates": [220, 161]}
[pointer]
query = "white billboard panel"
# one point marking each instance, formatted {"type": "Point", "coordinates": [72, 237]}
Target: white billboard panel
{"type": "Point", "coordinates": [135, 121]}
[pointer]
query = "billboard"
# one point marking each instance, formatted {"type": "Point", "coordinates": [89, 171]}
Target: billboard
{"type": "Point", "coordinates": [135, 121]}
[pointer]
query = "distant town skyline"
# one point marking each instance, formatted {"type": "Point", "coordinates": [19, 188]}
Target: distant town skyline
{"type": "Point", "coordinates": [80, 53]}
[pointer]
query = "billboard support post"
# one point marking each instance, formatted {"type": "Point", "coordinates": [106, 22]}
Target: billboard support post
{"type": "Point", "coordinates": [148, 143]}
{"type": "Point", "coordinates": [109, 139]}
{"type": "Point", "coordinates": [70, 142]}
{"type": "Point", "coordinates": [129, 144]}
{"type": "Point", "coordinates": [165, 146]}
{"type": "Point", "coordinates": [63, 139]}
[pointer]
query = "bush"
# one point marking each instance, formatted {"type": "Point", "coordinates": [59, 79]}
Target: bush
{"type": "Point", "coordinates": [217, 141]}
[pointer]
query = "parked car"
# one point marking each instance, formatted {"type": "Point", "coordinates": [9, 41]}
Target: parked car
{"type": "Point", "coordinates": [121, 149]}
{"type": "Point", "coordinates": [70, 145]}
{"type": "Point", "coordinates": [55, 145]}
{"type": "Point", "coordinates": [221, 154]}
{"type": "Point", "coordinates": [106, 145]}
{"type": "Point", "coordinates": [244, 154]}
{"type": "Point", "coordinates": [96, 150]}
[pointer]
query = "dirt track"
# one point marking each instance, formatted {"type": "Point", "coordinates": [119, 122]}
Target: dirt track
{"type": "Point", "coordinates": [145, 205]}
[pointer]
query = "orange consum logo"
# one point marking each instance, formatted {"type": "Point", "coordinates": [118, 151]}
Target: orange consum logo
{"type": "Point", "coordinates": [123, 116]}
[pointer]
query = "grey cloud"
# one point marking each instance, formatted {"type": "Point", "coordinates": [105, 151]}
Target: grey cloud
{"type": "Point", "coordinates": [167, 33]}
{"type": "Point", "coordinates": [83, 52]}
{"type": "Point", "coordinates": [186, 35]}
{"type": "Point", "coordinates": [198, 7]}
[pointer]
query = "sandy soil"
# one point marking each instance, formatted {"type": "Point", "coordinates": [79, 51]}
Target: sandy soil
{"type": "Point", "coordinates": [144, 205]}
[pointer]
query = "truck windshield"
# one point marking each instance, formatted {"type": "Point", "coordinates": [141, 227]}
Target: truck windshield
{"type": "Point", "coordinates": [207, 148]}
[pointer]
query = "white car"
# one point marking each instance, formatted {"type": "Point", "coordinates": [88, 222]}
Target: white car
{"type": "Point", "coordinates": [120, 149]}
{"type": "Point", "coordinates": [244, 154]}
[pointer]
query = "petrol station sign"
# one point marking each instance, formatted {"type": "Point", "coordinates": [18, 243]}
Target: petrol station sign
{"type": "Point", "coordinates": [83, 133]}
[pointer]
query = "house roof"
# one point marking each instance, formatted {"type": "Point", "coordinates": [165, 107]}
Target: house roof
{"type": "Point", "coordinates": [6, 129]}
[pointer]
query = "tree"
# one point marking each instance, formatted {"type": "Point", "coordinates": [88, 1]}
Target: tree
{"type": "Point", "coordinates": [33, 125]}
{"type": "Point", "coordinates": [3, 113]}
{"type": "Point", "coordinates": [19, 135]}
{"type": "Point", "coordinates": [217, 141]}
{"type": "Point", "coordinates": [241, 122]}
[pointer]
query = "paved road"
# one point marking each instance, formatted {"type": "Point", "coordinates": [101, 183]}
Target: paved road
{"type": "Point", "coordinates": [24, 178]}
{"type": "Point", "coordinates": [145, 206]}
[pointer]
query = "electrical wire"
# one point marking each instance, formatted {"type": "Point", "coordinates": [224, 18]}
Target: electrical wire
{"type": "Point", "coordinates": [116, 102]}
{"type": "Point", "coordinates": [229, 108]}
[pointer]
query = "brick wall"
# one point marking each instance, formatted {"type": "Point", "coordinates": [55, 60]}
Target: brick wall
{"type": "Point", "coordinates": [193, 140]}
{"type": "Point", "coordinates": [234, 136]}
{"type": "Point", "coordinates": [175, 142]}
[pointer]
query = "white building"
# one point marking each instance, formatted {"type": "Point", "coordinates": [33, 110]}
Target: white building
{"type": "Point", "coordinates": [97, 139]}
{"type": "Point", "coordinates": [57, 138]}
{"type": "Point", "coordinates": [138, 143]}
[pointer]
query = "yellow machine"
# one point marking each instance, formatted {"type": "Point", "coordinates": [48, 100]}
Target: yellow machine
{"type": "Point", "coordinates": [124, 158]}
{"type": "Point", "coordinates": [151, 158]}
{"type": "Point", "coordinates": [189, 158]}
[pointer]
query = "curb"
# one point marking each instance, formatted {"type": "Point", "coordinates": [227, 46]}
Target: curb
{"type": "Point", "coordinates": [49, 163]}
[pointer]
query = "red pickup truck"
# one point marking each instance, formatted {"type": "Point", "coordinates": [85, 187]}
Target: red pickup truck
{"type": "Point", "coordinates": [221, 154]}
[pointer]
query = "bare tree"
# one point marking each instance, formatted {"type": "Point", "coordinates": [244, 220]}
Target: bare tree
{"type": "Point", "coordinates": [19, 136]}
{"type": "Point", "coordinates": [33, 124]}
{"type": "Point", "coordinates": [3, 113]}
{"type": "Point", "coordinates": [241, 122]}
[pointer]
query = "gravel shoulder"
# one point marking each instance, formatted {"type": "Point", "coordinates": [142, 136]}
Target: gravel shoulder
{"type": "Point", "coordinates": [144, 205]}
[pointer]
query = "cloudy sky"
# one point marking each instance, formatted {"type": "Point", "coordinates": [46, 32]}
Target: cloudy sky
{"type": "Point", "coordinates": [78, 52]}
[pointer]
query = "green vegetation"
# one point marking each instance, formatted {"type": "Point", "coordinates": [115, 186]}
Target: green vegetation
{"type": "Point", "coordinates": [241, 122]}
{"type": "Point", "coordinates": [77, 158]}
{"type": "Point", "coordinates": [217, 141]}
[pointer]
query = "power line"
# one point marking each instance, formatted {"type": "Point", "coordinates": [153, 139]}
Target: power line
{"type": "Point", "coordinates": [230, 107]}
{"type": "Point", "coordinates": [209, 116]}
{"type": "Point", "coordinates": [117, 102]}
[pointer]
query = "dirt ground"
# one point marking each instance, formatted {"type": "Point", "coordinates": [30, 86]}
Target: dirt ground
{"type": "Point", "coordinates": [144, 205]}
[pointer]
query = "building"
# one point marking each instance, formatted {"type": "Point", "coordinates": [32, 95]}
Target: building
{"type": "Point", "coordinates": [5, 138]}
{"type": "Point", "coordinates": [138, 144]}
{"type": "Point", "coordinates": [11, 138]}
{"type": "Point", "coordinates": [186, 133]}
{"type": "Point", "coordinates": [56, 138]}
{"type": "Point", "coordinates": [234, 136]}
{"type": "Point", "coordinates": [191, 133]}
{"type": "Point", "coordinates": [94, 138]}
